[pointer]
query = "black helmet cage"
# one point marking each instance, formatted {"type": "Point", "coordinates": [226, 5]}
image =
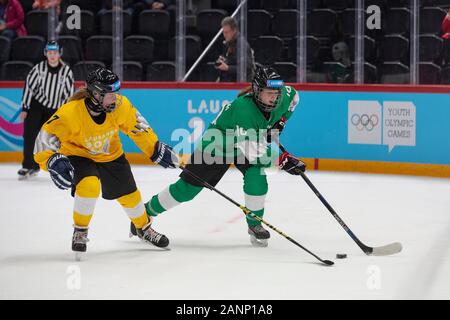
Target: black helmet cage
{"type": "Point", "coordinates": [267, 78]}
{"type": "Point", "coordinates": [100, 82]}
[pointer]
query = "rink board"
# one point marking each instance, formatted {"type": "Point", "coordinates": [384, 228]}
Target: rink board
{"type": "Point", "coordinates": [387, 129]}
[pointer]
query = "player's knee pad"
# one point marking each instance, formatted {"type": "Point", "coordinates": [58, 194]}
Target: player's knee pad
{"type": "Point", "coordinates": [255, 181]}
{"type": "Point", "coordinates": [182, 191]}
{"type": "Point", "coordinates": [88, 187]}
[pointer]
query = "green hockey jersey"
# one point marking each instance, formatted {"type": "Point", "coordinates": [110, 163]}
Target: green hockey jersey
{"type": "Point", "coordinates": [240, 129]}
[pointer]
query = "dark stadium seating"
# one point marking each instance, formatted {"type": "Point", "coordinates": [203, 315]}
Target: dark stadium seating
{"type": "Point", "coordinates": [28, 48]}
{"type": "Point", "coordinates": [81, 69]}
{"type": "Point", "coordinates": [138, 48]}
{"type": "Point", "coordinates": [15, 70]}
{"type": "Point", "coordinates": [394, 73]}
{"type": "Point", "coordinates": [445, 75]}
{"type": "Point", "coordinates": [106, 23]}
{"type": "Point", "coordinates": [99, 48]}
{"type": "Point", "coordinates": [317, 27]}
{"type": "Point", "coordinates": [208, 22]}
{"type": "Point", "coordinates": [5, 47]}
{"type": "Point", "coordinates": [430, 48]}
{"type": "Point", "coordinates": [429, 73]}
{"type": "Point", "coordinates": [287, 71]}
{"type": "Point", "coordinates": [394, 48]}
{"type": "Point", "coordinates": [154, 23]}
{"type": "Point", "coordinates": [258, 23]}
{"type": "Point", "coordinates": [268, 49]}
{"type": "Point", "coordinates": [161, 71]}
{"type": "Point", "coordinates": [132, 71]}
{"type": "Point", "coordinates": [431, 20]}
{"type": "Point", "coordinates": [398, 21]}
{"type": "Point", "coordinates": [193, 46]}
{"type": "Point", "coordinates": [87, 27]}
{"type": "Point", "coordinates": [72, 49]}
{"type": "Point", "coordinates": [36, 23]}
{"type": "Point", "coordinates": [285, 22]}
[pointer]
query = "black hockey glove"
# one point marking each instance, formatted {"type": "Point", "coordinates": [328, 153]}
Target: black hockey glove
{"type": "Point", "coordinates": [61, 171]}
{"type": "Point", "coordinates": [291, 164]}
{"type": "Point", "coordinates": [276, 129]}
{"type": "Point", "coordinates": [164, 155]}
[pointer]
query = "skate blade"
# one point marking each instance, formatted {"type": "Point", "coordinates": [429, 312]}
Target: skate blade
{"type": "Point", "coordinates": [79, 256]}
{"type": "Point", "coordinates": [261, 243]}
{"type": "Point", "coordinates": [131, 235]}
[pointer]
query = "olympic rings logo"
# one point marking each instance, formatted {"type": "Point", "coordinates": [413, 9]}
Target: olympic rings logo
{"type": "Point", "coordinates": [364, 121]}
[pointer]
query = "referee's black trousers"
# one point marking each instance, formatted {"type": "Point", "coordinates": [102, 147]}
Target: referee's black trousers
{"type": "Point", "coordinates": [37, 115]}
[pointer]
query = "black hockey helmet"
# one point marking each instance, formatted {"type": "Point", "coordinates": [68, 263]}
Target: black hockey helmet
{"type": "Point", "coordinates": [99, 83]}
{"type": "Point", "coordinates": [266, 78]}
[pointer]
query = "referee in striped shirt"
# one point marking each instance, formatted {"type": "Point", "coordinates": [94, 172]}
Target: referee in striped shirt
{"type": "Point", "coordinates": [47, 87]}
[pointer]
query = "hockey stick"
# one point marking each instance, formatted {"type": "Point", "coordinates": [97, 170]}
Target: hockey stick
{"type": "Point", "coordinates": [250, 213]}
{"type": "Point", "coordinates": [388, 249]}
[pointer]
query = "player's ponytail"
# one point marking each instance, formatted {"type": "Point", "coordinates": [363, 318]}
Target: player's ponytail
{"type": "Point", "coordinates": [79, 95]}
{"type": "Point", "coordinates": [245, 91]}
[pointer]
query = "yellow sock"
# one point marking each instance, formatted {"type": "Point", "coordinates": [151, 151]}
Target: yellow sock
{"type": "Point", "coordinates": [86, 194]}
{"type": "Point", "coordinates": [134, 208]}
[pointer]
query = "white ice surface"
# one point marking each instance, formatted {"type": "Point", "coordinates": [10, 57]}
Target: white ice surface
{"type": "Point", "coordinates": [211, 256]}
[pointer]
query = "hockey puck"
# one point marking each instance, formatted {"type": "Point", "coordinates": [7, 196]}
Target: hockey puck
{"type": "Point", "coordinates": [341, 255]}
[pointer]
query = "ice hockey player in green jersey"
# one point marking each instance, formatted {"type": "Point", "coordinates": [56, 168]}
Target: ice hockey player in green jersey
{"type": "Point", "coordinates": [240, 134]}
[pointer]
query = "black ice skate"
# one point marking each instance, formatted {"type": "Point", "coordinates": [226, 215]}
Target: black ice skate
{"type": "Point", "coordinates": [149, 235]}
{"type": "Point", "coordinates": [79, 241]}
{"type": "Point", "coordinates": [259, 237]}
{"type": "Point", "coordinates": [27, 173]}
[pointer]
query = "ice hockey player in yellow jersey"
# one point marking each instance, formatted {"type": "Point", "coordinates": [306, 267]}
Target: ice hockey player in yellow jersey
{"type": "Point", "coordinates": [81, 149]}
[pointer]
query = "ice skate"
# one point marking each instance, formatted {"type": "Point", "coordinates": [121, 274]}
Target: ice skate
{"type": "Point", "coordinates": [25, 174]}
{"type": "Point", "coordinates": [149, 235]}
{"type": "Point", "coordinates": [259, 237]}
{"type": "Point", "coordinates": [79, 241]}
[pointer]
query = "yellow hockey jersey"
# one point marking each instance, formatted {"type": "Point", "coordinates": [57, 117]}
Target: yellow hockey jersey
{"type": "Point", "coordinates": [72, 131]}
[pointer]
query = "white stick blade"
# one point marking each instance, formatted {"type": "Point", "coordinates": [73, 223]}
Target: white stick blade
{"type": "Point", "coordinates": [387, 250]}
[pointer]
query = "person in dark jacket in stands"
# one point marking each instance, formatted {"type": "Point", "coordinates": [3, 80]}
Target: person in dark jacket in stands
{"type": "Point", "coordinates": [12, 19]}
{"type": "Point", "coordinates": [227, 63]}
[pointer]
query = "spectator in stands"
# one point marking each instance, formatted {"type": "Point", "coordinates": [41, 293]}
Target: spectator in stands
{"type": "Point", "coordinates": [11, 21]}
{"type": "Point", "coordinates": [159, 5]}
{"type": "Point", "coordinates": [127, 5]}
{"type": "Point", "coordinates": [227, 63]}
{"type": "Point", "coordinates": [446, 26]}
{"type": "Point", "coordinates": [341, 71]}
{"type": "Point", "coordinates": [45, 4]}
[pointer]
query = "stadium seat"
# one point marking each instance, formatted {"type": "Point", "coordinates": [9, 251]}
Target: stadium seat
{"type": "Point", "coordinates": [209, 22]}
{"type": "Point", "coordinates": [106, 23]}
{"type": "Point", "coordinates": [132, 71]}
{"type": "Point", "coordinates": [99, 48]}
{"type": "Point", "coordinates": [398, 21]}
{"type": "Point", "coordinates": [258, 23]}
{"type": "Point", "coordinates": [274, 6]}
{"type": "Point", "coordinates": [429, 73]}
{"type": "Point", "coordinates": [5, 48]}
{"type": "Point", "coordinates": [431, 20]}
{"type": "Point", "coordinates": [28, 48]}
{"type": "Point", "coordinates": [154, 23]}
{"type": "Point", "coordinates": [227, 5]}
{"type": "Point", "coordinates": [312, 50]}
{"type": "Point", "coordinates": [81, 69]}
{"type": "Point", "coordinates": [138, 48]}
{"type": "Point", "coordinates": [394, 73]}
{"type": "Point", "coordinates": [15, 70]}
{"type": "Point", "coordinates": [285, 23]}
{"type": "Point", "coordinates": [72, 50]}
{"type": "Point", "coordinates": [430, 48]}
{"type": "Point", "coordinates": [208, 72]}
{"type": "Point", "coordinates": [161, 71]}
{"type": "Point", "coordinates": [317, 27]}
{"type": "Point", "coordinates": [394, 48]}
{"type": "Point", "coordinates": [347, 19]}
{"type": "Point", "coordinates": [338, 5]}
{"type": "Point", "coordinates": [369, 48]}
{"type": "Point", "coordinates": [36, 23]}
{"type": "Point", "coordinates": [287, 71]}
{"type": "Point", "coordinates": [268, 49]}
{"type": "Point", "coordinates": [370, 74]}
{"type": "Point", "coordinates": [193, 49]}
{"type": "Point", "coordinates": [445, 75]}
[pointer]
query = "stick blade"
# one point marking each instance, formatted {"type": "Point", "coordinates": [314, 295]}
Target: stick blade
{"type": "Point", "coordinates": [386, 250]}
